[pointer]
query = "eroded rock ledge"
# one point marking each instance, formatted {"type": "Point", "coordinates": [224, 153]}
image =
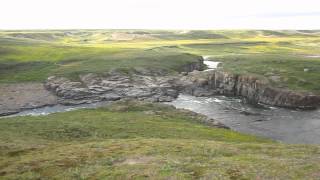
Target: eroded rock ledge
{"type": "Point", "coordinates": [255, 90]}
{"type": "Point", "coordinates": [113, 86]}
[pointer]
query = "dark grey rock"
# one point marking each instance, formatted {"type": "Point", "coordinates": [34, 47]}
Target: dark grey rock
{"type": "Point", "coordinates": [111, 97]}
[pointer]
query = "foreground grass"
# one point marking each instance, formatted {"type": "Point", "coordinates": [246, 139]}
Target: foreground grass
{"type": "Point", "coordinates": [134, 140]}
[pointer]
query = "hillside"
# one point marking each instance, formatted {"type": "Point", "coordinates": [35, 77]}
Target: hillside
{"type": "Point", "coordinates": [135, 140]}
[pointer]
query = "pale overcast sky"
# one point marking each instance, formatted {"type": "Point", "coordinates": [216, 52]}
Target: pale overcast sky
{"type": "Point", "coordinates": [160, 14]}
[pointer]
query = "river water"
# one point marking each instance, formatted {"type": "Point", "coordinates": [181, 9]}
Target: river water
{"type": "Point", "coordinates": [57, 108]}
{"type": "Point", "coordinates": [285, 125]}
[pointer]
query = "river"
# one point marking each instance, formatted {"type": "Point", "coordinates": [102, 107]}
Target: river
{"type": "Point", "coordinates": [285, 125]}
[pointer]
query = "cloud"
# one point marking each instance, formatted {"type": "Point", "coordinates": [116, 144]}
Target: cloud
{"type": "Point", "coordinates": [160, 14]}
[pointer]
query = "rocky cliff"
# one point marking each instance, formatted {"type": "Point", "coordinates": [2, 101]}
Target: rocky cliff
{"type": "Point", "coordinates": [254, 89]}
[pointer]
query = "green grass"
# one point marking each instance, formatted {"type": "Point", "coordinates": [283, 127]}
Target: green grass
{"type": "Point", "coordinates": [135, 140]}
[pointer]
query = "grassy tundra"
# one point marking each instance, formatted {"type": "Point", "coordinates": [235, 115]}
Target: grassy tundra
{"type": "Point", "coordinates": [134, 140]}
{"type": "Point", "coordinates": [289, 59]}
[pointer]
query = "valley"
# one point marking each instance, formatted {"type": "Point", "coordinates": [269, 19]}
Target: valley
{"type": "Point", "coordinates": [92, 104]}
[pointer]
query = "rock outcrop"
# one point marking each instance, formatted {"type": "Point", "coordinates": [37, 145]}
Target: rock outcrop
{"type": "Point", "coordinates": [254, 89]}
{"type": "Point", "coordinates": [143, 84]}
{"type": "Point", "coordinates": [114, 86]}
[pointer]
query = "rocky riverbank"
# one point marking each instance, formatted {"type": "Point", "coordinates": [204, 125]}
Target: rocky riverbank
{"type": "Point", "coordinates": [254, 89]}
{"type": "Point", "coordinates": [165, 88]}
{"type": "Point", "coordinates": [149, 85]}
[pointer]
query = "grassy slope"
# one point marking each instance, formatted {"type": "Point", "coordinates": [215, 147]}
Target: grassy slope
{"type": "Point", "coordinates": [136, 141]}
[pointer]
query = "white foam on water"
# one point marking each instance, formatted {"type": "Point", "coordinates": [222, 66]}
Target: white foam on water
{"type": "Point", "coordinates": [217, 100]}
{"type": "Point", "coordinates": [210, 100]}
{"type": "Point", "coordinates": [212, 64]}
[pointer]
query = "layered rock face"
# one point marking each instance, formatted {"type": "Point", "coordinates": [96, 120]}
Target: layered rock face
{"type": "Point", "coordinates": [92, 88]}
{"type": "Point", "coordinates": [252, 88]}
{"type": "Point", "coordinates": [259, 91]}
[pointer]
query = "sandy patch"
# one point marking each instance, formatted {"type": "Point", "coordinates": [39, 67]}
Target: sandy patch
{"type": "Point", "coordinates": [19, 96]}
{"type": "Point", "coordinates": [137, 160]}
